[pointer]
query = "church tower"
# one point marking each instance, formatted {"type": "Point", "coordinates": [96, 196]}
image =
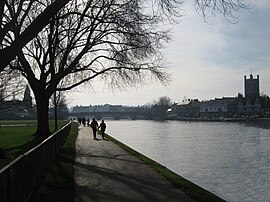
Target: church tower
{"type": "Point", "coordinates": [252, 87]}
{"type": "Point", "coordinates": [27, 99]}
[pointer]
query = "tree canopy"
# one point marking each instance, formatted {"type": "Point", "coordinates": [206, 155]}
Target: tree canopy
{"type": "Point", "coordinates": [76, 41]}
{"type": "Point", "coordinates": [13, 14]}
{"type": "Point", "coordinates": [15, 28]}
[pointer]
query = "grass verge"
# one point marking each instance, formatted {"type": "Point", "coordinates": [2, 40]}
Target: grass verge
{"type": "Point", "coordinates": [58, 184]}
{"type": "Point", "coordinates": [194, 191]}
{"type": "Point", "coordinates": [15, 141]}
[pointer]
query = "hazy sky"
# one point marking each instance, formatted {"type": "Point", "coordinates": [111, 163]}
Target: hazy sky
{"type": "Point", "coordinates": [206, 60]}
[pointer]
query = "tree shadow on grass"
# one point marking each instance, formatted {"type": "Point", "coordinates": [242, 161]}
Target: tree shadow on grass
{"type": "Point", "coordinates": [13, 152]}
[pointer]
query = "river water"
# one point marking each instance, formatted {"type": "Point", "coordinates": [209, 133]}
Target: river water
{"type": "Point", "coordinates": [231, 160]}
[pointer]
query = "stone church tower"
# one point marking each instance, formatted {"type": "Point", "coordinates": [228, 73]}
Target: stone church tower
{"type": "Point", "coordinates": [252, 87]}
{"type": "Point", "coordinates": [27, 99]}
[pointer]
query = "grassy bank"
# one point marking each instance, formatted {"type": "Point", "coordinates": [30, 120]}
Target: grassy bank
{"type": "Point", "coordinates": [191, 189]}
{"type": "Point", "coordinates": [58, 184]}
{"type": "Point", "coordinates": [18, 140]}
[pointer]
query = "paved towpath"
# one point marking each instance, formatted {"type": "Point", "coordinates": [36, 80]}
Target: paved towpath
{"type": "Point", "coordinates": [105, 172]}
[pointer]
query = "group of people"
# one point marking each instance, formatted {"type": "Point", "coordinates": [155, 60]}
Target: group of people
{"type": "Point", "coordinates": [83, 121]}
{"type": "Point", "coordinates": [94, 125]}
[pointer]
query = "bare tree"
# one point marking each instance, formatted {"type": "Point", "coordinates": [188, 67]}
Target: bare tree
{"type": "Point", "coordinates": [164, 101]}
{"type": "Point", "coordinates": [118, 41]}
{"type": "Point", "coordinates": [113, 40]}
{"type": "Point", "coordinates": [160, 107]}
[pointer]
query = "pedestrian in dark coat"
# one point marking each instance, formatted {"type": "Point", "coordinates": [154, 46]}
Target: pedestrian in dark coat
{"type": "Point", "coordinates": [94, 125]}
{"type": "Point", "coordinates": [102, 127]}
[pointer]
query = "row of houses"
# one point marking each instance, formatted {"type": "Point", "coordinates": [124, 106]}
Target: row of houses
{"type": "Point", "coordinates": [221, 107]}
{"type": "Point", "coordinates": [249, 104]}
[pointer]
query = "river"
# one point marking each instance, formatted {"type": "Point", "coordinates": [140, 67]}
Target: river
{"type": "Point", "coordinates": [231, 160]}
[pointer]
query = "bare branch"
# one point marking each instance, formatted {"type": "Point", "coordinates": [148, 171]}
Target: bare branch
{"type": "Point", "coordinates": [228, 8]}
{"type": "Point", "coordinates": [11, 84]}
{"type": "Point", "coordinates": [14, 20]}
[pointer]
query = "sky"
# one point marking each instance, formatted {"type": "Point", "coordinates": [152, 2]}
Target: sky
{"type": "Point", "coordinates": [206, 60]}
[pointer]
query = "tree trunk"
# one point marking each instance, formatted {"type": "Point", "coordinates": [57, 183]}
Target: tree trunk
{"type": "Point", "coordinates": [42, 117]}
{"type": "Point", "coordinates": [55, 113]}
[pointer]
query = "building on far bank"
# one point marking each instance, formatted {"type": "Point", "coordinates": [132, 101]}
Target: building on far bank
{"type": "Point", "coordinates": [17, 109]}
{"type": "Point", "coordinates": [219, 107]}
{"type": "Point", "coordinates": [251, 103]}
{"type": "Point", "coordinates": [186, 108]}
{"type": "Point", "coordinates": [226, 107]}
{"type": "Point", "coordinates": [252, 90]}
{"type": "Point", "coordinates": [246, 107]}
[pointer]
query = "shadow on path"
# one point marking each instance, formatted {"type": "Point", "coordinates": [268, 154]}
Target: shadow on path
{"type": "Point", "coordinates": [105, 172]}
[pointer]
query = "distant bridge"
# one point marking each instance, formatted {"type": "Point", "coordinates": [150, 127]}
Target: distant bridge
{"type": "Point", "coordinates": [112, 115]}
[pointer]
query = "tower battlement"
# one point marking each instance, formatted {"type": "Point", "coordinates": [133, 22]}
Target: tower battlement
{"type": "Point", "coordinates": [252, 89]}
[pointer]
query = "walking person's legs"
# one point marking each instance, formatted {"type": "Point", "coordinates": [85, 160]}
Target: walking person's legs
{"type": "Point", "coordinates": [94, 136]}
{"type": "Point", "coordinates": [95, 133]}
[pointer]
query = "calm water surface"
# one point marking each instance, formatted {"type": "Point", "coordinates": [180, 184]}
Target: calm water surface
{"type": "Point", "coordinates": [231, 160]}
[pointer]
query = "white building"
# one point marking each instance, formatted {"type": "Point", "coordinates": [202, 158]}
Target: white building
{"type": "Point", "coordinates": [217, 106]}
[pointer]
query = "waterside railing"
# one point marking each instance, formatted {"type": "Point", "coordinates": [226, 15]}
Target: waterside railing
{"type": "Point", "coordinates": [20, 177]}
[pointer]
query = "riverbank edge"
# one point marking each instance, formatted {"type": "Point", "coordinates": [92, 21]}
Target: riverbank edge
{"type": "Point", "coordinates": [192, 190]}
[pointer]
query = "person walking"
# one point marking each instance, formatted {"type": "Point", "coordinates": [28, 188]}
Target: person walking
{"type": "Point", "coordinates": [83, 121]}
{"type": "Point", "coordinates": [102, 127]}
{"type": "Point", "coordinates": [94, 125]}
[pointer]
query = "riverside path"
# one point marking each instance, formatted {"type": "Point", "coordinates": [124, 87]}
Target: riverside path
{"type": "Point", "coordinates": [105, 172]}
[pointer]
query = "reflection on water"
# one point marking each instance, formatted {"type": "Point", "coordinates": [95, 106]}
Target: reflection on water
{"type": "Point", "coordinates": [259, 124]}
{"type": "Point", "coordinates": [229, 159]}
